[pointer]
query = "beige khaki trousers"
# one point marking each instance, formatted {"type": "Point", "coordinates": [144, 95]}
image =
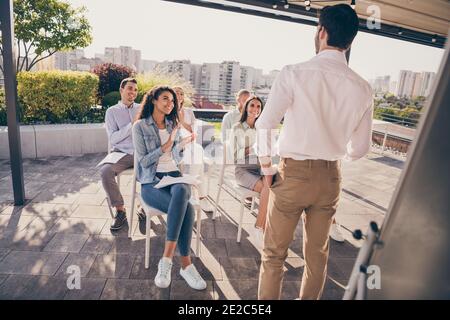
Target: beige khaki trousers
{"type": "Point", "coordinates": [311, 187]}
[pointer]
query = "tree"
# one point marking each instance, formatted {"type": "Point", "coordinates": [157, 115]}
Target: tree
{"type": "Point", "coordinates": [43, 27]}
{"type": "Point", "coordinates": [110, 75]}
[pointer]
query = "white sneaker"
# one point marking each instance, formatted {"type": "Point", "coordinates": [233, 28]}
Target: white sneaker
{"type": "Point", "coordinates": [162, 279]}
{"type": "Point", "coordinates": [193, 278]}
{"type": "Point", "coordinates": [206, 206]}
{"type": "Point", "coordinates": [335, 233]}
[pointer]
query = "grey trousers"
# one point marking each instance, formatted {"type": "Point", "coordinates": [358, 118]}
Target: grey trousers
{"type": "Point", "coordinates": [108, 173]}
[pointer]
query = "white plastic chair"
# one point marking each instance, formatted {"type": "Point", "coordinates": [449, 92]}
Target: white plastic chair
{"type": "Point", "coordinates": [209, 172]}
{"type": "Point", "coordinates": [206, 160]}
{"type": "Point", "coordinates": [240, 191]}
{"type": "Point", "coordinates": [152, 212]}
{"type": "Point", "coordinates": [209, 162]}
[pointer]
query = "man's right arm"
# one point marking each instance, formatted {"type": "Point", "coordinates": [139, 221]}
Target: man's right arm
{"type": "Point", "coordinates": [279, 100]}
{"type": "Point", "coordinates": [116, 134]}
{"type": "Point", "coordinates": [361, 139]}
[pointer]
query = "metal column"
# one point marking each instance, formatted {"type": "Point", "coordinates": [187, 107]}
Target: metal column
{"type": "Point", "coordinates": [9, 67]}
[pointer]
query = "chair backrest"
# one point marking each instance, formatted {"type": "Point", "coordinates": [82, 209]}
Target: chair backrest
{"type": "Point", "coordinates": [135, 162]}
{"type": "Point", "coordinates": [227, 162]}
{"type": "Point", "coordinates": [228, 153]}
{"type": "Point", "coordinates": [134, 181]}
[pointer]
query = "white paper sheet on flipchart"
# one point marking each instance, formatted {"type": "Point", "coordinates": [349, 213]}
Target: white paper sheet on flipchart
{"type": "Point", "coordinates": [168, 180]}
{"type": "Point", "coordinates": [112, 157]}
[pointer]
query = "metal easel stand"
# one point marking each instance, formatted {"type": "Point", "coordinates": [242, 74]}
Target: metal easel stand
{"type": "Point", "coordinates": [356, 288]}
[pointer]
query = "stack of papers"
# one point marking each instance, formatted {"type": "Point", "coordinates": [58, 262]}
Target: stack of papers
{"type": "Point", "coordinates": [112, 157]}
{"type": "Point", "coordinates": [168, 180]}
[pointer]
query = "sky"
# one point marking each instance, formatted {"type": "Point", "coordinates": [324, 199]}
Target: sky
{"type": "Point", "coordinates": [168, 31]}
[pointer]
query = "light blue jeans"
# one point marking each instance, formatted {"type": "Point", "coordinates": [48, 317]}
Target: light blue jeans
{"type": "Point", "coordinates": [174, 200]}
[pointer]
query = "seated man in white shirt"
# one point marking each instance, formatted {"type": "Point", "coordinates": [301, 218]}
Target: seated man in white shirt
{"type": "Point", "coordinates": [327, 110]}
{"type": "Point", "coordinates": [232, 117]}
{"type": "Point", "coordinates": [118, 121]}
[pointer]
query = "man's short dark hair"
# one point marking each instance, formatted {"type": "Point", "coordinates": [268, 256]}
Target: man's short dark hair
{"type": "Point", "coordinates": [124, 82]}
{"type": "Point", "coordinates": [241, 92]}
{"type": "Point", "coordinates": [341, 23]}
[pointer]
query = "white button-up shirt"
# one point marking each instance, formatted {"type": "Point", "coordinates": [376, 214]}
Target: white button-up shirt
{"type": "Point", "coordinates": [229, 120]}
{"type": "Point", "coordinates": [119, 121]}
{"type": "Point", "coordinates": [242, 136]}
{"type": "Point", "coordinates": [327, 110]}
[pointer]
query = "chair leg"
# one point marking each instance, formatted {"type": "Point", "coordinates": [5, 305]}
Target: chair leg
{"type": "Point", "coordinates": [110, 207]}
{"type": "Point", "coordinates": [220, 184]}
{"type": "Point", "coordinates": [209, 172]}
{"type": "Point", "coordinates": [252, 207]}
{"type": "Point", "coordinates": [198, 213]}
{"type": "Point", "coordinates": [133, 198]}
{"type": "Point", "coordinates": [147, 241]}
{"type": "Point", "coordinates": [241, 216]}
{"type": "Point", "coordinates": [199, 234]}
{"type": "Point", "coordinates": [217, 202]}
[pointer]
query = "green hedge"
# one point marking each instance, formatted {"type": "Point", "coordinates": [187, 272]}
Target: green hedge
{"type": "Point", "coordinates": [406, 116]}
{"type": "Point", "coordinates": [70, 96]}
{"type": "Point", "coordinates": [57, 96]}
{"type": "Point", "coordinates": [111, 99]}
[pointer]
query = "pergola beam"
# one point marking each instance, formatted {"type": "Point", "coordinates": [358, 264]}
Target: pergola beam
{"type": "Point", "coordinates": [298, 14]}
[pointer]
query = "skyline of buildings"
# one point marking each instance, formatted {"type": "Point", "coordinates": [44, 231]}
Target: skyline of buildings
{"type": "Point", "coordinates": [220, 81]}
{"type": "Point", "coordinates": [217, 81]}
{"type": "Point", "coordinates": [410, 84]}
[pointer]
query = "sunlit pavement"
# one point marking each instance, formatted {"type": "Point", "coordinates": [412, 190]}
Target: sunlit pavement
{"type": "Point", "coordinates": [66, 222]}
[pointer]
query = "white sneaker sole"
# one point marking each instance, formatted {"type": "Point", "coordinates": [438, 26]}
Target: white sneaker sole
{"type": "Point", "coordinates": [162, 286]}
{"type": "Point", "coordinates": [193, 287]}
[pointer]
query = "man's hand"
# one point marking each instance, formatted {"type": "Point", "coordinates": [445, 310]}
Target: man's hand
{"type": "Point", "coordinates": [269, 179]}
{"type": "Point", "coordinates": [266, 166]}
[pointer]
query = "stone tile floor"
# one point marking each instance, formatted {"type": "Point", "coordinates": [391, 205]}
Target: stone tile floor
{"type": "Point", "coordinates": [66, 222]}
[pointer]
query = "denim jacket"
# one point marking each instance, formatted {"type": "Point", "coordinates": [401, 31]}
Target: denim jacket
{"type": "Point", "coordinates": [147, 144]}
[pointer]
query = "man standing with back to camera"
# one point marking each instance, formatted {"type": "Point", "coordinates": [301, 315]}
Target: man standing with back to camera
{"type": "Point", "coordinates": [327, 110]}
